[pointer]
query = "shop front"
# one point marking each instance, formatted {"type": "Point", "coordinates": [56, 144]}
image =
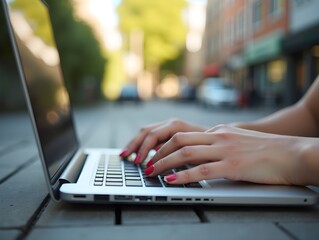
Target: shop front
{"type": "Point", "coordinates": [302, 53]}
{"type": "Point", "coordinates": [267, 68]}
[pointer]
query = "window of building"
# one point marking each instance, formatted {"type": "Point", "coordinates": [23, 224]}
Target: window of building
{"type": "Point", "coordinates": [232, 31]}
{"type": "Point", "coordinates": [257, 13]}
{"type": "Point", "coordinates": [276, 8]}
{"type": "Point", "coordinates": [239, 26]}
{"type": "Point", "coordinates": [228, 33]}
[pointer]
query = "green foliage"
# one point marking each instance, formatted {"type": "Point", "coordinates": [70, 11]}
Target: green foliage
{"type": "Point", "coordinates": [80, 52]}
{"type": "Point", "coordinates": [173, 66]}
{"type": "Point", "coordinates": [37, 18]}
{"type": "Point", "coordinates": [162, 24]}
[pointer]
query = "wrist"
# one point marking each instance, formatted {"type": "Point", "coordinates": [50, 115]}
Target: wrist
{"type": "Point", "coordinates": [309, 160]}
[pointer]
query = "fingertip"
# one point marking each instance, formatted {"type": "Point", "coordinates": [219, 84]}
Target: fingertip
{"type": "Point", "coordinates": [124, 153]}
{"type": "Point", "coordinates": [137, 159]}
{"type": "Point", "coordinates": [149, 163]}
{"type": "Point", "coordinates": [170, 178]}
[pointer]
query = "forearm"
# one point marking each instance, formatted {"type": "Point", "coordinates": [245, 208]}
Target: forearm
{"type": "Point", "coordinates": [295, 120]}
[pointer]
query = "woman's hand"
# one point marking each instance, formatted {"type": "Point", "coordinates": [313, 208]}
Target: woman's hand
{"type": "Point", "coordinates": [236, 154]}
{"type": "Point", "coordinates": [153, 136]}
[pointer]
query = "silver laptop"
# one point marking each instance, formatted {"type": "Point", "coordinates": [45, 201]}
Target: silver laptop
{"type": "Point", "coordinates": [98, 175]}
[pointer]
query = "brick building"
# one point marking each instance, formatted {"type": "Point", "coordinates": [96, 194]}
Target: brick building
{"type": "Point", "coordinates": [260, 44]}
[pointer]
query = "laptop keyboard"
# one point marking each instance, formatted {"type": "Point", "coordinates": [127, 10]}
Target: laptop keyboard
{"type": "Point", "coordinates": [125, 173]}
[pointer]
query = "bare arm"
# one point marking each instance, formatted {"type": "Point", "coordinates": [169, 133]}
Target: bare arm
{"type": "Point", "coordinates": [301, 119]}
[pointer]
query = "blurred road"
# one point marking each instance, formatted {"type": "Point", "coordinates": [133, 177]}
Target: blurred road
{"type": "Point", "coordinates": [110, 124]}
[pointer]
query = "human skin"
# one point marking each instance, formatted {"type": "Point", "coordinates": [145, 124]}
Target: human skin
{"type": "Point", "coordinates": [282, 148]}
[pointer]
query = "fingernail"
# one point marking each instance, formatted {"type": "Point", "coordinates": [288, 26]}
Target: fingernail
{"type": "Point", "coordinates": [137, 159]}
{"type": "Point", "coordinates": [124, 153]}
{"type": "Point", "coordinates": [149, 170]}
{"type": "Point", "coordinates": [157, 148]}
{"type": "Point", "coordinates": [150, 162]}
{"type": "Point", "coordinates": [170, 178]}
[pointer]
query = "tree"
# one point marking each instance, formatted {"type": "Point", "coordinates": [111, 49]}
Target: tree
{"type": "Point", "coordinates": [162, 25]}
{"type": "Point", "coordinates": [81, 57]}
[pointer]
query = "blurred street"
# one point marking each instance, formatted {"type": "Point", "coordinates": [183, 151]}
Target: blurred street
{"type": "Point", "coordinates": [120, 117]}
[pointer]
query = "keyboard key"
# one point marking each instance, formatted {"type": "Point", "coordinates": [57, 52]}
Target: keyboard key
{"type": "Point", "coordinates": [114, 179]}
{"type": "Point", "coordinates": [132, 183]}
{"type": "Point", "coordinates": [98, 183]}
{"type": "Point", "coordinates": [98, 180]}
{"type": "Point", "coordinates": [132, 178]}
{"type": "Point", "coordinates": [114, 176]}
{"type": "Point", "coordinates": [113, 184]}
{"type": "Point", "coordinates": [152, 182]}
{"type": "Point", "coordinates": [132, 174]}
{"type": "Point", "coordinates": [131, 171]}
{"type": "Point", "coordinates": [114, 172]}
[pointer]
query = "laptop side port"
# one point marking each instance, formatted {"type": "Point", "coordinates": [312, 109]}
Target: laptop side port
{"type": "Point", "coordinates": [143, 198]}
{"type": "Point", "coordinates": [176, 199]}
{"type": "Point", "coordinates": [160, 199]}
{"type": "Point", "coordinates": [101, 198]}
{"type": "Point", "coordinates": [79, 196]}
{"type": "Point", "coordinates": [123, 198]}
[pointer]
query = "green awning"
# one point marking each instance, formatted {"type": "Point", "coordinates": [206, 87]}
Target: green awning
{"type": "Point", "coordinates": [264, 49]}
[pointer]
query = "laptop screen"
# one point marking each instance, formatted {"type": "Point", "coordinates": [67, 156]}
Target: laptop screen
{"type": "Point", "coordinates": [43, 82]}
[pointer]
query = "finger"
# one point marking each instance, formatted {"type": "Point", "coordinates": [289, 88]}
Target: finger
{"type": "Point", "coordinates": [180, 140]}
{"type": "Point", "coordinates": [154, 138]}
{"type": "Point", "coordinates": [136, 142]}
{"type": "Point", "coordinates": [206, 171]}
{"type": "Point", "coordinates": [190, 154]}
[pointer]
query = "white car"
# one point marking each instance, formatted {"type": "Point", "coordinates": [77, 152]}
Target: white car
{"type": "Point", "coordinates": [213, 92]}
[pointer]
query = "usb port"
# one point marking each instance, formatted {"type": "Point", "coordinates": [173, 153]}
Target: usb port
{"type": "Point", "coordinates": [102, 198]}
{"type": "Point", "coordinates": [143, 198]}
{"type": "Point", "coordinates": [79, 196]}
{"type": "Point", "coordinates": [177, 199]}
{"type": "Point", "coordinates": [160, 199]}
{"type": "Point", "coordinates": [123, 197]}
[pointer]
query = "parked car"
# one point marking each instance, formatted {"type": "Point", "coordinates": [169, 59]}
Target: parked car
{"type": "Point", "coordinates": [214, 92]}
{"type": "Point", "coordinates": [129, 92]}
{"type": "Point", "coordinates": [187, 93]}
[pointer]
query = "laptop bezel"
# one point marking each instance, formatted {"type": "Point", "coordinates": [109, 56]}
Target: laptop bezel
{"type": "Point", "coordinates": [53, 183]}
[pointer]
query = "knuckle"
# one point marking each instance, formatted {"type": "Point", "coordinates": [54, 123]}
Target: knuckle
{"type": "Point", "coordinates": [224, 135]}
{"type": "Point", "coordinates": [203, 170]}
{"type": "Point", "coordinates": [233, 162]}
{"type": "Point", "coordinates": [144, 129]}
{"type": "Point", "coordinates": [152, 134]}
{"type": "Point", "coordinates": [176, 122]}
{"type": "Point", "coordinates": [186, 151]}
{"type": "Point", "coordinates": [178, 138]}
{"type": "Point", "coordinates": [220, 127]}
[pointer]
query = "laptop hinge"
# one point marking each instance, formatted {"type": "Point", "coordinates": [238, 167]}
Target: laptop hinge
{"type": "Point", "coordinates": [74, 168]}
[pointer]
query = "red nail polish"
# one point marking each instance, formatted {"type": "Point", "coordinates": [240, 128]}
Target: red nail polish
{"type": "Point", "coordinates": [150, 162]}
{"type": "Point", "coordinates": [149, 170]}
{"type": "Point", "coordinates": [124, 153]}
{"type": "Point", "coordinates": [157, 148]}
{"type": "Point", "coordinates": [137, 159]}
{"type": "Point", "coordinates": [170, 178]}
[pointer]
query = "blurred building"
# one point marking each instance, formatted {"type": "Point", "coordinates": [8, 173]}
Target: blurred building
{"type": "Point", "coordinates": [249, 43]}
{"type": "Point", "coordinates": [195, 18]}
{"type": "Point", "coordinates": [301, 47]}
